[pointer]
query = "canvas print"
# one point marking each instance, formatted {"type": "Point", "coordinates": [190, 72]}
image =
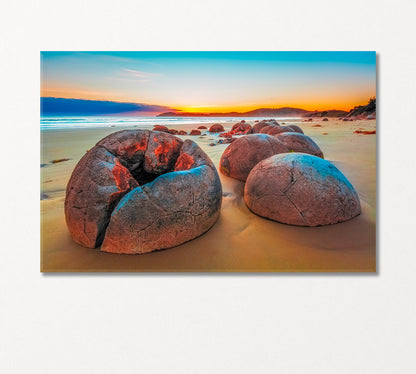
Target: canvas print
{"type": "Point", "coordinates": [208, 161]}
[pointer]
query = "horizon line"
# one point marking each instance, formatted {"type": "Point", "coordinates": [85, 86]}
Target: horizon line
{"type": "Point", "coordinates": [217, 109]}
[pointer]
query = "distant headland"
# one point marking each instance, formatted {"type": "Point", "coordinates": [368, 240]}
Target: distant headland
{"type": "Point", "coordinates": [361, 110]}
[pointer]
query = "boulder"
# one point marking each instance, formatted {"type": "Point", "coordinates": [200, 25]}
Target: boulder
{"type": "Point", "coordinates": [97, 184]}
{"type": "Point", "coordinates": [173, 209]}
{"type": "Point", "coordinates": [182, 132]}
{"type": "Point", "coordinates": [295, 128]}
{"type": "Point", "coordinates": [300, 189]}
{"type": "Point", "coordinates": [132, 160]}
{"type": "Point", "coordinates": [275, 130]}
{"type": "Point", "coordinates": [325, 120]}
{"type": "Point", "coordinates": [160, 128]}
{"type": "Point", "coordinates": [202, 128]}
{"type": "Point", "coordinates": [195, 132]}
{"type": "Point", "coordinates": [216, 128]}
{"type": "Point", "coordinates": [244, 153]}
{"type": "Point", "coordinates": [266, 129]}
{"type": "Point", "coordinates": [241, 128]}
{"type": "Point", "coordinates": [300, 143]}
{"type": "Point", "coordinates": [258, 126]}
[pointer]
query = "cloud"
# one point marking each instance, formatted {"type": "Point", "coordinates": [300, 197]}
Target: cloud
{"type": "Point", "coordinates": [63, 106]}
{"type": "Point", "coordinates": [141, 74]}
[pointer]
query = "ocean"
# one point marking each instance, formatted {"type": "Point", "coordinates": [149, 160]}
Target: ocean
{"type": "Point", "coordinates": [65, 122]}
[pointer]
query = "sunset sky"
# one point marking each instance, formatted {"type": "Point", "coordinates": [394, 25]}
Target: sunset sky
{"type": "Point", "coordinates": [213, 81]}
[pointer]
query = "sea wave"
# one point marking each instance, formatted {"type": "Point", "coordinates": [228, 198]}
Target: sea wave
{"type": "Point", "coordinates": [144, 122]}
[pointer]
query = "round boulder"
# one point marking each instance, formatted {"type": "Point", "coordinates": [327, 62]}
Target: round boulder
{"type": "Point", "coordinates": [300, 189]}
{"type": "Point", "coordinates": [244, 153]}
{"type": "Point", "coordinates": [259, 125]}
{"type": "Point", "coordinates": [267, 129]}
{"type": "Point", "coordinates": [300, 143]}
{"type": "Point", "coordinates": [142, 191]}
{"type": "Point", "coordinates": [275, 130]}
{"type": "Point", "coordinates": [195, 132]}
{"type": "Point", "coordinates": [295, 128]}
{"type": "Point", "coordinates": [216, 128]}
{"type": "Point", "coordinates": [160, 128]}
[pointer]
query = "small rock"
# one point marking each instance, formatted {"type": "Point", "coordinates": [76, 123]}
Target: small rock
{"type": "Point", "coordinates": [216, 128]}
{"type": "Point", "coordinates": [60, 160]}
{"type": "Point", "coordinates": [161, 128]}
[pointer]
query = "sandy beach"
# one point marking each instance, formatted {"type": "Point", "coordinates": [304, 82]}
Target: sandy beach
{"type": "Point", "coordinates": [240, 241]}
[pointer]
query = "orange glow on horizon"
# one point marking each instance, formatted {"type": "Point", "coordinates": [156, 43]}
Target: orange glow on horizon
{"type": "Point", "coordinates": [311, 106]}
{"type": "Point", "coordinates": [340, 103]}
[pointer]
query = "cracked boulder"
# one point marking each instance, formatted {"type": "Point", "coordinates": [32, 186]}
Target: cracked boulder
{"type": "Point", "coordinates": [300, 189]}
{"type": "Point", "coordinates": [96, 185]}
{"type": "Point", "coordinates": [244, 153]}
{"type": "Point", "coordinates": [241, 128]}
{"type": "Point", "coordinates": [301, 143]}
{"type": "Point", "coordinates": [131, 160]}
{"type": "Point", "coordinates": [173, 209]}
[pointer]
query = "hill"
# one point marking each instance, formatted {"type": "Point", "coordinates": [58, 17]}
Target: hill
{"type": "Point", "coordinates": [334, 113]}
{"type": "Point", "coordinates": [362, 111]}
{"type": "Point", "coordinates": [261, 112]}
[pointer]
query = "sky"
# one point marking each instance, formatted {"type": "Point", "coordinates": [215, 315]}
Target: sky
{"type": "Point", "coordinates": [213, 81]}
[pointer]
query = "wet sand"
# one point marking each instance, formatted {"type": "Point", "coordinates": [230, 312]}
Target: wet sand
{"type": "Point", "coordinates": [240, 241]}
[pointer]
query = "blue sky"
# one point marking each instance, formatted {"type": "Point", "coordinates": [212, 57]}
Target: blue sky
{"type": "Point", "coordinates": [213, 81]}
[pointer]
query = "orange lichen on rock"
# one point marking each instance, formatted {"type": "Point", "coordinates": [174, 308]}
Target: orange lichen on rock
{"type": "Point", "coordinates": [134, 148]}
{"type": "Point", "coordinates": [184, 162]}
{"type": "Point", "coordinates": [122, 176]}
{"type": "Point", "coordinates": [226, 135]}
{"type": "Point", "coordinates": [163, 149]}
